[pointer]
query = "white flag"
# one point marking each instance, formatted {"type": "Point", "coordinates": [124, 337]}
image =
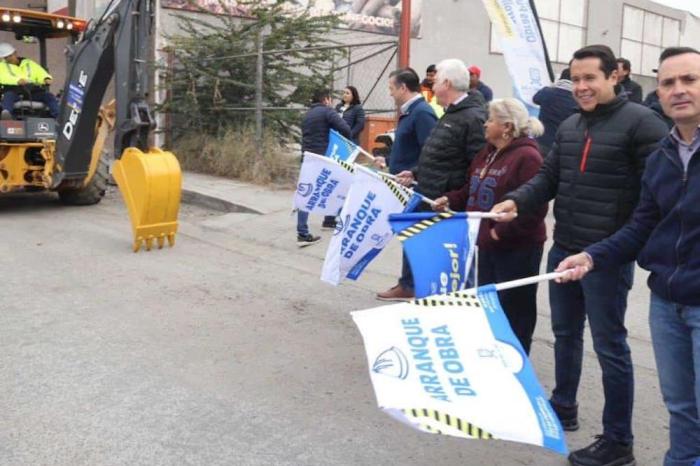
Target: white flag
{"type": "Point", "coordinates": [323, 184]}
{"type": "Point", "coordinates": [523, 49]}
{"type": "Point", "coordinates": [363, 228]}
{"type": "Point", "coordinates": [452, 366]}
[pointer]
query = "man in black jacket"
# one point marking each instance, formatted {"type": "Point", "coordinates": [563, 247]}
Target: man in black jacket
{"type": "Point", "coordinates": [456, 138]}
{"type": "Point", "coordinates": [448, 151]}
{"type": "Point", "coordinates": [593, 172]}
{"type": "Point", "coordinates": [318, 121]}
{"type": "Point", "coordinates": [631, 88]}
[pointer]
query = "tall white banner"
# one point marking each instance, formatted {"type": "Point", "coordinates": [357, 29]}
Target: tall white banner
{"type": "Point", "coordinates": [522, 46]}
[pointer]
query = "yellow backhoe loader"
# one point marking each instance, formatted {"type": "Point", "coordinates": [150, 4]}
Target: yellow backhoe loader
{"type": "Point", "coordinates": [65, 155]}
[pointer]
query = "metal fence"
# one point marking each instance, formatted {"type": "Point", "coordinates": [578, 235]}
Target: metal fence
{"type": "Point", "coordinates": [366, 64]}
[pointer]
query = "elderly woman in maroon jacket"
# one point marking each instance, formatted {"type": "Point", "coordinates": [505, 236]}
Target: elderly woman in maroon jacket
{"type": "Point", "coordinates": [507, 251]}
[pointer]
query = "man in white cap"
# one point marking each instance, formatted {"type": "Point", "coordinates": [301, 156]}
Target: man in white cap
{"type": "Point", "coordinates": [21, 76]}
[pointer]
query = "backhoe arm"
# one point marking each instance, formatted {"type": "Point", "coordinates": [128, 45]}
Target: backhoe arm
{"type": "Point", "coordinates": [118, 45]}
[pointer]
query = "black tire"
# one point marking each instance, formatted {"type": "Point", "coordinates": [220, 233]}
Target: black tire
{"type": "Point", "coordinates": [93, 192]}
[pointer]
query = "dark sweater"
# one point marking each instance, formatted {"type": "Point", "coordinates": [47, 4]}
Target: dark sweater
{"type": "Point", "coordinates": [632, 89]}
{"type": "Point", "coordinates": [665, 229]}
{"type": "Point", "coordinates": [556, 105]}
{"type": "Point", "coordinates": [515, 165]}
{"type": "Point", "coordinates": [485, 91]}
{"type": "Point", "coordinates": [412, 131]}
{"type": "Point", "coordinates": [593, 172]}
{"type": "Point", "coordinates": [318, 121]}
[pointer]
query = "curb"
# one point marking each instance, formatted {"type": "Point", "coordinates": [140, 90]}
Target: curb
{"type": "Point", "coordinates": [215, 203]}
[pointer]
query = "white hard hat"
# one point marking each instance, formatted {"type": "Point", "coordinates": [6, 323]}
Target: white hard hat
{"type": "Point", "coordinates": [6, 50]}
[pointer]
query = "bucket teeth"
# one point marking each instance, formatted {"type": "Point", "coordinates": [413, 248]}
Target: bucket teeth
{"type": "Point", "coordinates": [147, 243]}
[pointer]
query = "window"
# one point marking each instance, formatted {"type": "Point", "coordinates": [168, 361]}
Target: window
{"type": "Point", "coordinates": [563, 28]}
{"type": "Point", "coordinates": [644, 36]}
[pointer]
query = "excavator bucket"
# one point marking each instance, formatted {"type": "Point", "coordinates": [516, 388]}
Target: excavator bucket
{"type": "Point", "coordinates": [150, 184]}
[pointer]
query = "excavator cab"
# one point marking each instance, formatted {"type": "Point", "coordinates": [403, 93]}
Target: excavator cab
{"type": "Point", "coordinates": [67, 154]}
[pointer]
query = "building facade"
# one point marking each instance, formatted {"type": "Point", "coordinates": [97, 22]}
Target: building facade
{"type": "Point", "coordinates": [635, 29]}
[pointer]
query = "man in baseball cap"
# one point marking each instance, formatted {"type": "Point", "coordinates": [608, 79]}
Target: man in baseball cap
{"type": "Point", "coordinates": [22, 77]}
{"type": "Point", "coordinates": [476, 84]}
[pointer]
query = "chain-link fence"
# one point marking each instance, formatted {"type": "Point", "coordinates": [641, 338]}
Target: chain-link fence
{"type": "Point", "coordinates": [239, 93]}
{"type": "Point", "coordinates": [367, 67]}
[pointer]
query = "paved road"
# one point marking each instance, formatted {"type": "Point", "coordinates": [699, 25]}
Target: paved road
{"type": "Point", "coordinates": [226, 350]}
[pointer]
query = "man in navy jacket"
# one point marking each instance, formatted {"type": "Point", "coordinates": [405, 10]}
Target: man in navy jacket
{"type": "Point", "coordinates": [416, 122]}
{"type": "Point", "coordinates": [556, 103]}
{"type": "Point", "coordinates": [664, 236]}
{"type": "Point", "coordinates": [318, 121]}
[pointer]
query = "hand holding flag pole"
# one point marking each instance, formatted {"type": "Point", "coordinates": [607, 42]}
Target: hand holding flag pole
{"type": "Point", "coordinates": [339, 147]}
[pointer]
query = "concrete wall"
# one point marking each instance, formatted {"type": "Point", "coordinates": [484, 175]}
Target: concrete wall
{"type": "Point", "coordinates": [607, 28]}
{"type": "Point", "coordinates": [460, 29]}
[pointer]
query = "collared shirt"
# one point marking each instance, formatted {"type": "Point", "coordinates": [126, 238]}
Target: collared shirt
{"type": "Point", "coordinates": [685, 150]}
{"type": "Point", "coordinates": [407, 105]}
{"type": "Point", "coordinates": [460, 98]}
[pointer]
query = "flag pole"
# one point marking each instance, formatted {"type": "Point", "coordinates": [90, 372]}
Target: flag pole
{"type": "Point", "coordinates": [523, 281]}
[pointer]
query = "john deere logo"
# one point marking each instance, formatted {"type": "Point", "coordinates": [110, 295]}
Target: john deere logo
{"type": "Point", "coordinates": [305, 189]}
{"type": "Point", "coordinates": [392, 363]}
{"type": "Point", "coordinates": [43, 126]}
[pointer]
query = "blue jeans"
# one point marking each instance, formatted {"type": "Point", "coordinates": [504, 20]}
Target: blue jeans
{"type": "Point", "coordinates": [302, 223]}
{"type": "Point", "coordinates": [602, 298]}
{"type": "Point", "coordinates": [11, 97]}
{"type": "Point", "coordinates": [675, 334]}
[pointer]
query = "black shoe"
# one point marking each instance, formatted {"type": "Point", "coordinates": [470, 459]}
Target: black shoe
{"type": "Point", "coordinates": [603, 452]}
{"type": "Point", "coordinates": [568, 417]}
{"type": "Point", "coordinates": [307, 240]}
{"type": "Point", "coordinates": [329, 225]}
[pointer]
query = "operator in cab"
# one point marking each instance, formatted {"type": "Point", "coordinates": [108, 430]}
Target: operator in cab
{"type": "Point", "coordinates": [23, 78]}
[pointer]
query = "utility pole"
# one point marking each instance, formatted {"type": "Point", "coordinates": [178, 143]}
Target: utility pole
{"type": "Point", "coordinates": [259, 93]}
{"type": "Point", "coordinates": [405, 34]}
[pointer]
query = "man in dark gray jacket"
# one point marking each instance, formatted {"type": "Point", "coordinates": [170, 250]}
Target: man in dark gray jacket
{"type": "Point", "coordinates": [593, 172]}
{"type": "Point", "coordinates": [448, 151]}
{"type": "Point", "coordinates": [457, 137]}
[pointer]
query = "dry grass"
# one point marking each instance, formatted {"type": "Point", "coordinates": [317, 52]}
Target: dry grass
{"type": "Point", "coordinates": [234, 155]}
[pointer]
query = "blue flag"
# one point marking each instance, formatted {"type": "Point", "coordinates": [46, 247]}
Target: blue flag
{"type": "Point", "coordinates": [341, 148]}
{"type": "Point", "coordinates": [439, 247]}
{"type": "Point", "coordinates": [413, 202]}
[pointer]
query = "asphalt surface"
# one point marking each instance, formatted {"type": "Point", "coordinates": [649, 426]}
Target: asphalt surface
{"type": "Point", "coordinates": [225, 350]}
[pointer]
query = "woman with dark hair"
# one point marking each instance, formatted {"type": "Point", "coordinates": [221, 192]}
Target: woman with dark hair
{"type": "Point", "coordinates": [351, 110]}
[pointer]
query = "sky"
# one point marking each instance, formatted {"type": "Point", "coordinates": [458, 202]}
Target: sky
{"type": "Point", "coordinates": [691, 5]}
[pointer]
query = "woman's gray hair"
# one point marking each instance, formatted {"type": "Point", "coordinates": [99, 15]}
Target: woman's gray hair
{"type": "Point", "coordinates": [455, 71]}
{"type": "Point", "coordinates": [514, 112]}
